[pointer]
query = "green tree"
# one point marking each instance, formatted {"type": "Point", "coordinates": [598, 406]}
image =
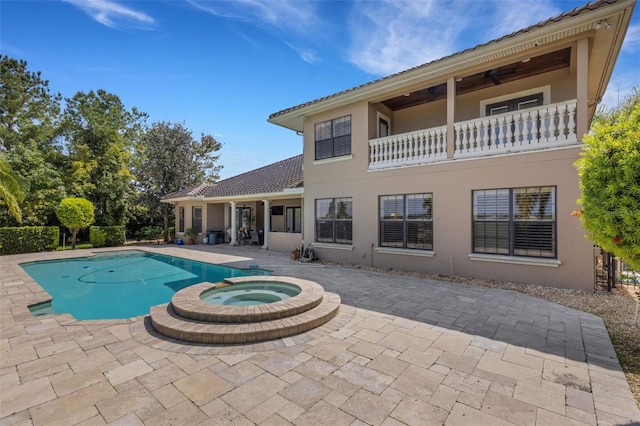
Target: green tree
{"type": "Point", "coordinates": [101, 135]}
{"type": "Point", "coordinates": [13, 189]}
{"type": "Point", "coordinates": [171, 159]}
{"type": "Point", "coordinates": [609, 169]}
{"type": "Point", "coordinates": [75, 214]}
{"type": "Point", "coordinates": [29, 137]}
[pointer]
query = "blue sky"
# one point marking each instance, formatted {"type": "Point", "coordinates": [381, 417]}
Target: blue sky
{"type": "Point", "coordinates": [222, 67]}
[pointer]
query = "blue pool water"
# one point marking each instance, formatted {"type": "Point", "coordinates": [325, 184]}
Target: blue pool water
{"type": "Point", "coordinates": [250, 294]}
{"type": "Point", "coordinates": [122, 284]}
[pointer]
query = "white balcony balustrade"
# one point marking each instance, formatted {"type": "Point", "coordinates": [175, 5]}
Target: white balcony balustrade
{"type": "Point", "coordinates": [533, 128]}
{"type": "Point", "coordinates": [404, 149]}
{"type": "Point", "coordinates": [543, 127]}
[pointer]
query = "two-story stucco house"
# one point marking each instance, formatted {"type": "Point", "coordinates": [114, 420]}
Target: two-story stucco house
{"type": "Point", "coordinates": [465, 165]}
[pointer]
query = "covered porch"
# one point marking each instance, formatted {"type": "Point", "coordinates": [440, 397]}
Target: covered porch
{"type": "Point", "coordinates": [262, 207]}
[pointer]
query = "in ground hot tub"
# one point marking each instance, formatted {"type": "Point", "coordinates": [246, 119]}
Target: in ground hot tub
{"type": "Point", "coordinates": [251, 293]}
{"type": "Point", "coordinates": [245, 310]}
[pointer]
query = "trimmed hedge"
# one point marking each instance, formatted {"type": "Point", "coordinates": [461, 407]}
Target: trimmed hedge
{"type": "Point", "coordinates": [28, 239]}
{"type": "Point", "coordinates": [106, 236]}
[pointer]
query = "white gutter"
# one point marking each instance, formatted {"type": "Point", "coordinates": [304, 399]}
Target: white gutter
{"type": "Point", "coordinates": [286, 193]}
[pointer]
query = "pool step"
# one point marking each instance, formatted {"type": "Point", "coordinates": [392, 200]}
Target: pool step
{"type": "Point", "coordinates": [168, 322]}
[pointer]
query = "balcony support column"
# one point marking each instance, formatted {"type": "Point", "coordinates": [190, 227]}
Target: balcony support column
{"type": "Point", "coordinates": [451, 109]}
{"type": "Point", "coordinates": [582, 89]}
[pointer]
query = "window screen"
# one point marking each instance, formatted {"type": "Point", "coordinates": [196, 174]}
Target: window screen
{"type": "Point", "coordinates": [406, 221]}
{"type": "Point", "coordinates": [334, 220]}
{"type": "Point", "coordinates": [333, 138]}
{"type": "Point", "coordinates": [518, 222]}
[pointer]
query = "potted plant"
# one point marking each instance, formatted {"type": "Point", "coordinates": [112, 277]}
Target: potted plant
{"type": "Point", "coordinates": [192, 234]}
{"type": "Point", "coordinates": [295, 253]}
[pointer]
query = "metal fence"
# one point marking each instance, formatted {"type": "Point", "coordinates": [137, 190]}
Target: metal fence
{"type": "Point", "coordinates": [611, 271]}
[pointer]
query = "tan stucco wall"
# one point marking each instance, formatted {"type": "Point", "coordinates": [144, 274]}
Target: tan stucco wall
{"type": "Point", "coordinates": [188, 222]}
{"type": "Point", "coordinates": [451, 183]}
{"type": "Point", "coordinates": [278, 223]}
{"type": "Point", "coordinates": [215, 217]}
{"type": "Point", "coordinates": [284, 241]}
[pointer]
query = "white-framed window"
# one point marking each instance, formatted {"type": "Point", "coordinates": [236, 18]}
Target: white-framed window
{"type": "Point", "coordinates": [384, 126]}
{"type": "Point", "coordinates": [294, 219]}
{"type": "Point", "coordinates": [334, 220]}
{"type": "Point", "coordinates": [515, 222]}
{"type": "Point", "coordinates": [181, 219]}
{"type": "Point", "coordinates": [545, 91]}
{"type": "Point", "coordinates": [196, 218]}
{"type": "Point", "coordinates": [406, 221]}
{"type": "Point", "coordinates": [333, 138]}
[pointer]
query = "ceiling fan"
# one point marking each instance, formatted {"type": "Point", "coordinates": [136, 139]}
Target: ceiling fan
{"type": "Point", "coordinates": [498, 73]}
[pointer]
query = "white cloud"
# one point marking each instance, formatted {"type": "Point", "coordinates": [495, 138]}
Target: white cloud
{"type": "Point", "coordinates": [289, 19]}
{"type": "Point", "coordinates": [632, 39]}
{"type": "Point", "coordinates": [390, 36]}
{"type": "Point", "coordinates": [620, 87]}
{"type": "Point", "coordinates": [306, 54]}
{"type": "Point", "coordinates": [508, 16]}
{"type": "Point", "coordinates": [112, 14]}
{"type": "Point", "coordinates": [282, 14]}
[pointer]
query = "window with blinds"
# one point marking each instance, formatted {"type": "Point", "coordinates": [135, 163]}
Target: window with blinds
{"type": "Point", "coordinates": [334, 220]}
{"type": "Point", "coordinates": [196, 218]}
{"type": "Point", "coordinates": [406, 221]}
{"type": "Point", "coordinates": [333, 138]}
{"type": "Point", "coordinates": [516, 222]}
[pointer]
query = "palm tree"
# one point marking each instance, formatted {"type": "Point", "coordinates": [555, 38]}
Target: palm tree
{"type": "Point", "coordinates": [13, 189]}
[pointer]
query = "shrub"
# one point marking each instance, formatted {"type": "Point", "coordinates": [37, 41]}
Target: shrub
{"type": "Point", "coordinates": [28, 239]}
{"type": "Point", "coordinates": [106, 236]}
{"type": "Point", "coordinates": [609, 168]}
{"type": "Point", "coordinates": [97, 236]}
{"type": "Point", "coordinates": [151, 233]}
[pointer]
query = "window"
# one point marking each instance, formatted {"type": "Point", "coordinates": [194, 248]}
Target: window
{"type": "Point", "coordinates": [333, 138]}
{"type": "Point", "coordinates": [180, 219]}
{"type": "Point", "coordinates": [517, 104]}
{"type": "Point", "coordinates": [334, 218]}
{"type": "Point", "coordinates": [406, 221]}
{"type": "Point", "coordinates": [515, 222]}
{"type": "Point", "coordinates": [294, 221]}
{"type": "Point", "coordinates": [196, 218]}
{"type": "Point", "coordinates": [384, 125]}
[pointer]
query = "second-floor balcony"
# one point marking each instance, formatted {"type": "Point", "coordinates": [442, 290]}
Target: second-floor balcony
{"type": "Point", "coordinates": [543, 127]}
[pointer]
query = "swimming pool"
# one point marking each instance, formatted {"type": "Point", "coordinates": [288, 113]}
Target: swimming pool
{"type": "Point", "coordinates": [123, 284]}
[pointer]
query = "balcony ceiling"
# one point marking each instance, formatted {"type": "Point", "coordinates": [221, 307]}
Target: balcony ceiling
{"type": "Point", "coordinates": [515, 71]}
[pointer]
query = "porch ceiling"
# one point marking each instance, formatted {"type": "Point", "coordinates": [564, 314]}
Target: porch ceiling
{"type": "Point", "coordinates": [511, 72]}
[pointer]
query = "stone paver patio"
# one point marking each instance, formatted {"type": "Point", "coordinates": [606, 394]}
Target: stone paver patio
{"type": "Point", "coordinates": [401, 351]}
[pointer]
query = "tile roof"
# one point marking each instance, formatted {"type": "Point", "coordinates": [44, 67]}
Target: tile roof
{"type": "Point", "coordinates": [574, 12]}
{"type": "Point", "coordinates": [273, 178]}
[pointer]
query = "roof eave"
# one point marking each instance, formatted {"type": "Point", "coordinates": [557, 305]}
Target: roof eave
{"type": "Point", "coordinates": [284, 194]}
